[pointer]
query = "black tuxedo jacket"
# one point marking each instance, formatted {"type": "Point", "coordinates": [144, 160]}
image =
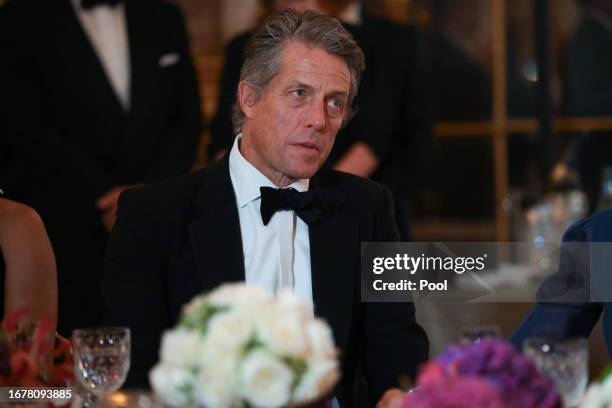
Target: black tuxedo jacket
{"type": "Point", "coordinates": [180, 237]}
{"type": "Point", "coordinates": [67, 139]}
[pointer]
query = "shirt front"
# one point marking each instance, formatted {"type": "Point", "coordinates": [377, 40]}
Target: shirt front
{"type": "Point", "coordinates": [106, 29]}
{"type": "Point", "coordinates": [276, 255]}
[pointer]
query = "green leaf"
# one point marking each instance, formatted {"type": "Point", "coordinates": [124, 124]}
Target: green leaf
{"type": "Point", "coordinates": [198, 319]}
{"type": "Point", "coordinates": [299, 368]}
{"type": "Point", "coordinates": [605, 373]}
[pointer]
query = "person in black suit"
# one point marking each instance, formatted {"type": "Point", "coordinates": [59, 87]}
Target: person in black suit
{"type": "Point", "coordinates": [268, 214]}
{"type": "Point", "coordinates": [96, 96]}
{"type": "Point", "coordinates": [390, 138]}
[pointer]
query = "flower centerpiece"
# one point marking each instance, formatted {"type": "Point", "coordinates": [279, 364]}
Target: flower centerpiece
{"type": "Point", "coordinates": [486, 374]}
{"type": "Point", "coordinates": [31, 355]}
{"type": "Point", "coordinates": [240, 344]}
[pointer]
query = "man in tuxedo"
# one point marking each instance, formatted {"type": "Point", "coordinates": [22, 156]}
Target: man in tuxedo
{"type": "Point", "coordinates": [267, 214]}
{"type": "Point", "coordinates": [96, 95]}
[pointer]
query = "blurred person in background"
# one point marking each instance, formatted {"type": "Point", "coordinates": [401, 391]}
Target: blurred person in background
{"type": "Point", "coordinates": [461, 52]}
{"type": "Point", "coordinates": [571, 301]}
{"type": "Point", "coordinates": [389, 139]}
{"type": "Point", "coordinates": [461, 83]}
{"type": "Point", "coordinates": [589, 93]}
{"type": "Point", "coordinates": [96, 96]}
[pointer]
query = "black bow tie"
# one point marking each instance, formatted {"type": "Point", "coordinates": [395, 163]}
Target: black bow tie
{"type": "Point", "coordinates": [309, 205]}
{"type": "Point", "coordinates": [89, 4]}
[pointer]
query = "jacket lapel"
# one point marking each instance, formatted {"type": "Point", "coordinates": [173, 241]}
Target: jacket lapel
{"type": "Point", "coordinates": [333, 258]}
{"type": "Point", "coordinates": [81, 59]}
{"type": "Point", "coordinates": [215, 229]}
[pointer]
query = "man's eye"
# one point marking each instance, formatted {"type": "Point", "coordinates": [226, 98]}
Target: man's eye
{"type": "Point", "coordinates": [336, 103]}
{"type": "Point", "coordinates": [299, 93]}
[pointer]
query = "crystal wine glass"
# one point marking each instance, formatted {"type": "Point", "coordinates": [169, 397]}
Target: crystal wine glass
{"type": "Point", "coordinates": [101, 360]}
{"type": "Point", "coordinates": [563, 360]}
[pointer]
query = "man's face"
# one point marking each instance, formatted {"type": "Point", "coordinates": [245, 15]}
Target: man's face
{"type": "Point", "coordinates": [290, 130]}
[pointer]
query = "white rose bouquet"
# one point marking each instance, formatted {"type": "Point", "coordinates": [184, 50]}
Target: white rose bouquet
{"type": "Point", "coordinates": [241, 345]}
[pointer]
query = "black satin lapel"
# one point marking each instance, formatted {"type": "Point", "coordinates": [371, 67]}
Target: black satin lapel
{"type": "Point", "coordinates": [80, 58]}
{"type": "Point", "coordinates": [145, 49]}
{"type": "Point", "coordinates": [215, 229]}
{"type": "Point", "coordinates": [334, 258]}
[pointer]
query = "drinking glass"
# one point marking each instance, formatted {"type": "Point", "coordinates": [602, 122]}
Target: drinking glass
{"type": "Point", "coordinates": [563, 360]}
{"type": "Point", "coordinates": [101, 360]}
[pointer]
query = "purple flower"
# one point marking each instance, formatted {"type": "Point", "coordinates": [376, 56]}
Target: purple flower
{"type": "Point", "coordinates": [511, 375]}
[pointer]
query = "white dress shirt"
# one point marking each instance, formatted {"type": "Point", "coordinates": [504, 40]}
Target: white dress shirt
{"type": "Point", "coordinates": [106, 29]}
{"type": "Point", "coordinates": [276, 255]}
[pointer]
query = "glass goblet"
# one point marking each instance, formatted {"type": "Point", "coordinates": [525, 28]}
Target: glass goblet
{"type": "Point", "coordinates": [101, 360]}
{"type": "Point", "coordinates": [565, 361]}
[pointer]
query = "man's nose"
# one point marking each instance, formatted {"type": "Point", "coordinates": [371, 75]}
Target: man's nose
{"type": "Point", "coordinates": [317, 116]}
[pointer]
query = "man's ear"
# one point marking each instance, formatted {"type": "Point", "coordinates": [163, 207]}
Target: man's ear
{"type": "Point", "coordinates": [247, 98]}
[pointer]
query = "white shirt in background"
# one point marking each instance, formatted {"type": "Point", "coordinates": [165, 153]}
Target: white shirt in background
{"type": "Point", "coordinates": [106, 29]}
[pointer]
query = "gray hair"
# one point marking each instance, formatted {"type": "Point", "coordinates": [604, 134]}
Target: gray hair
{"type": "Point", "coordinates": [264, 51]}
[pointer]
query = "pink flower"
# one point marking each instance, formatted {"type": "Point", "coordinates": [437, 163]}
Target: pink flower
{"type": "Point", "coordinates": [27, 347]}
{"type": "Point", "coordinates": [431, 373]}
{"type": "Point", "coordinates": [24, 371]}
{"type": "Point", "coordinates": [455, 393]}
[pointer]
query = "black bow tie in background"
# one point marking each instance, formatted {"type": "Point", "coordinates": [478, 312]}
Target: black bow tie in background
{"type": "Point", "coordinates": [89, 4]}
{"type": "Point", "coordinates": [309, 205]}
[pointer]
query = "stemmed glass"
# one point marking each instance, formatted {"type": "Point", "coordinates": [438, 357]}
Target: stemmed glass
{"type": "Point", "coordinates": [563, 360]}
{"type": "Point", "coordinates": [101, 360]}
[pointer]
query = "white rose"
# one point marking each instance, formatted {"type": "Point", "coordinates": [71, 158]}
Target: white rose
{"type": "Point", "coordinates": [318, 381]}
{"type": "Point", "coordinates": [194, 304]}
{"type": "Point", "coordinates": [320, 338]}
{"type": "Point", "coordinates": [172, 384]}
{"type": "Point", "coordinates": [228, 331]}
{"type": "Point", "coordinates": [238, 294]}
{"type": "Point", "coordinates": [266, 380]}
{"type": "Point", "coordinates": [181, 347]}
{"type": "Point", "coordinates": [217, 383]}
{"type": "Point", "coordinates": [282, 332]}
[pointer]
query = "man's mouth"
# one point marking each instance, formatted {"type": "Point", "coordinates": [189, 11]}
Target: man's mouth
{"type": "Point", "coordinates": [308, 145]}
